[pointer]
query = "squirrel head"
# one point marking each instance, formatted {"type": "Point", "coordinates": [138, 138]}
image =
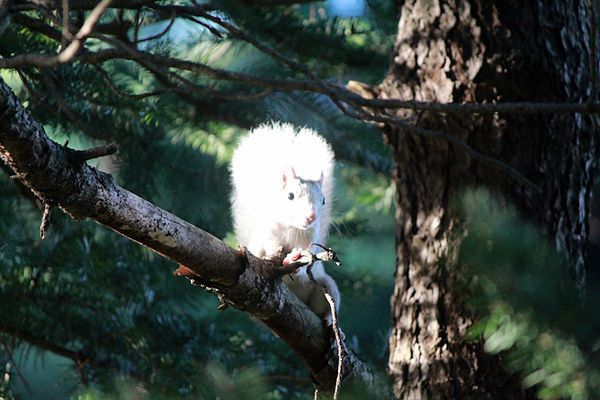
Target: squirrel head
{"type": "Point", "coordinates": [301, 200]}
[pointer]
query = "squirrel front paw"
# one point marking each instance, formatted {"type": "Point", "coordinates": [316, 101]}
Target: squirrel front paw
{"type": "Point", "coordinates": [293, 256]}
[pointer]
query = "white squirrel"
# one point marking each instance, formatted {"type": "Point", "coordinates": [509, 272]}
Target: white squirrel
{"type": "Point", "coordinates": [282, 196]}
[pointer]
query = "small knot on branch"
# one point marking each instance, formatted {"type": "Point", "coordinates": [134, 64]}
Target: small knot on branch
{"type": "Point", "coordinates": [45, 220]}
{"type": "Point", "coordinates": [81, 156]}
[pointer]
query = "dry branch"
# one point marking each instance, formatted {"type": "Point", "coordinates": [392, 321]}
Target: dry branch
{"type": "Point", "coordinates": [83, 192]}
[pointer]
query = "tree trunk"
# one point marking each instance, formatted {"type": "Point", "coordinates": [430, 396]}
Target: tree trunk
{"type": "Point", "coordinates": [475, 51]}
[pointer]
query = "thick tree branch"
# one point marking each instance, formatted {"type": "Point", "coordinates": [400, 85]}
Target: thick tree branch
{"type": "Point", "coordinates": [84, 192]}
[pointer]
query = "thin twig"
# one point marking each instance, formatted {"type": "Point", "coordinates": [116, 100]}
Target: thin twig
{"type": "Point", "coordinates": [204, 24]}
{"type": "Point", "coordinates": [336, 330]}
{"type": "Point", "coordinates": [338, 338]}
{"type": "Point", "coordinates": [160, 34]}
{"type": "Point", "coordinates": [45, 220]}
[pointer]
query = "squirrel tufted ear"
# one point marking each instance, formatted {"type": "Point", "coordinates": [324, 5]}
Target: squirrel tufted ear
{"type": "Point", "coordinates": [321, 178]}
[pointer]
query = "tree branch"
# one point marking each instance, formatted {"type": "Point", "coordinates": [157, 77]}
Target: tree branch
{"type": "Point", "coordinates": [84, 192]}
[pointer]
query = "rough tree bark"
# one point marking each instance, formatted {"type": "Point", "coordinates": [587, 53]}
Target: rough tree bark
{"type": "Point", "coordinates": [476, 51]}
{"type": "Point", "coordinates": [59, 177]}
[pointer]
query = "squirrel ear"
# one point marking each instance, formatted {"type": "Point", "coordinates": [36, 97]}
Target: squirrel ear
{"type": "Point", "coordinates": [283, 180]}
{"type": "Point", "coordinates": [322, 177]}
{"type": "Point", "coordinates": [289, 173]}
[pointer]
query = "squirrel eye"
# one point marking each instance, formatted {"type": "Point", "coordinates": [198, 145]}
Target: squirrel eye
{"type": "Point", "coordinates": [291, 196]}
{"type": "Point", "coordinates": [323, 200]}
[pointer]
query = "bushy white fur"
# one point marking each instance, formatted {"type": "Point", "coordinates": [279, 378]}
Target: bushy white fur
{"type": "Point", "coordinates": [264, 169]}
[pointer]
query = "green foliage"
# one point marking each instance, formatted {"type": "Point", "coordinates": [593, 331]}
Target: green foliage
{"type": "Point", "coordinates": [547, 332]}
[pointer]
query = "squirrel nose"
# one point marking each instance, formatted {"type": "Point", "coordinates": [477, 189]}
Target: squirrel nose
{"type": "Point", "coordinates": [310, 218]}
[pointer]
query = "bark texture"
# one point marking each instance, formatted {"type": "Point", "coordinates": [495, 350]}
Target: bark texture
{"type": "Point", "coordinates": [476, 51]}
{"type": "Point", "coordinates": [58, 177]}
